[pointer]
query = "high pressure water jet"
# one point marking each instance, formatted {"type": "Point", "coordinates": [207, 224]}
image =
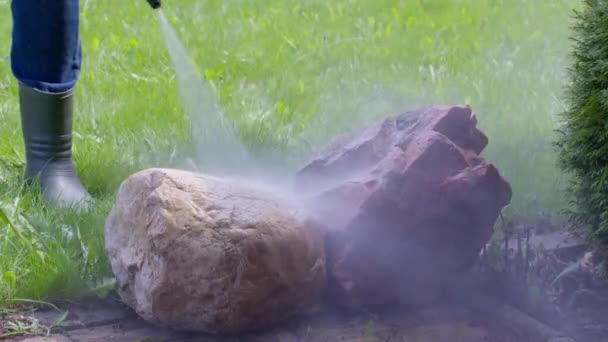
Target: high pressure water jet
{"type": "Point", "coordinates": [217, 146]}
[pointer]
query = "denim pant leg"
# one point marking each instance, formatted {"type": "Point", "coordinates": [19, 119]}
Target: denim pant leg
{"type": "Point", "coordinates": [46, 50]}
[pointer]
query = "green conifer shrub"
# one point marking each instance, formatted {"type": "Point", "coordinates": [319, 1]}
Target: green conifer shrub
{"type": "Point", "coordinates": [583, 139]}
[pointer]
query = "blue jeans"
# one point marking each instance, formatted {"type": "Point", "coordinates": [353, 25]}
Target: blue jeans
{"type": "Point", "coordinates": [46, 51]}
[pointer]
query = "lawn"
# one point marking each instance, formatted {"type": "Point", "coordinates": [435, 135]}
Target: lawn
{"type": "Point", "coordinates": [289, 75]}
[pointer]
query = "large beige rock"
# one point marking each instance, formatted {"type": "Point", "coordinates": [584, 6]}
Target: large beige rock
{"type": "Point", "coordinates": [201, 253]}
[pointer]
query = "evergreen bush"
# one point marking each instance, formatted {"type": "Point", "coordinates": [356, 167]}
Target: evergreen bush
{"type": "Point", "coordinates": [583, 142]}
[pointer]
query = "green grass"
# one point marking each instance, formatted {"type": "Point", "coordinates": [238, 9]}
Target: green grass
{"type": "Point", "coordinates": [289, 75]}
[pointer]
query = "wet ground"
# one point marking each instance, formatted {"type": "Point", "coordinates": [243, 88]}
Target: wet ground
{"type": "Point", "coordinates": [110, 321]}
{"type": "Point", "coordinates": [466, 316]}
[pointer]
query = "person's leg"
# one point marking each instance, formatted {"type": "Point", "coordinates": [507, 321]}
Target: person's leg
{"type": "Point", "coordinates": [45, 51]}
{"type": "Point", "coordinates": [46, 60]}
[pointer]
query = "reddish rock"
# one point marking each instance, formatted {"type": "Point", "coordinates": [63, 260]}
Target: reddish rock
{"type": "Point", "coordinates": [408, 202]}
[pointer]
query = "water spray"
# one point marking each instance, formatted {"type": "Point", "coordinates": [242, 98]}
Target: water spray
{"type": "Point", "coordinates": [217, 146]}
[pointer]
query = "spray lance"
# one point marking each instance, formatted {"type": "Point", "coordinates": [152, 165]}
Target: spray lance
{"type": "Point", "coordinates": [154, 3]}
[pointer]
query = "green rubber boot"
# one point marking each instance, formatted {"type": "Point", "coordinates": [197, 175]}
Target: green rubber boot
{"type": "Point", "coordinates": [46, 119]}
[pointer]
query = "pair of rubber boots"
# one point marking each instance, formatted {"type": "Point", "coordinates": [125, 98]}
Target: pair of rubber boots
{"type": "Point", "coordinates": [46, 120]}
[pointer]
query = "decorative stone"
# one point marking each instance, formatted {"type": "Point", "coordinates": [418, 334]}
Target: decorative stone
{"type": "Point", "coordinates": [408, 202]}
{"type": "Point", "coordinates": [208, 254]}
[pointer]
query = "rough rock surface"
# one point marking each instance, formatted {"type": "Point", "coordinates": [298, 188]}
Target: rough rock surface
{"type": "Point", "coordinates": [408, 202]}
{"type": "Point", "coordinates": [207, 254]}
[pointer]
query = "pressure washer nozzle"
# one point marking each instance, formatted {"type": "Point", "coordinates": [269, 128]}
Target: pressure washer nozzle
{"type": "Point", "coordinates": [154, 3]}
